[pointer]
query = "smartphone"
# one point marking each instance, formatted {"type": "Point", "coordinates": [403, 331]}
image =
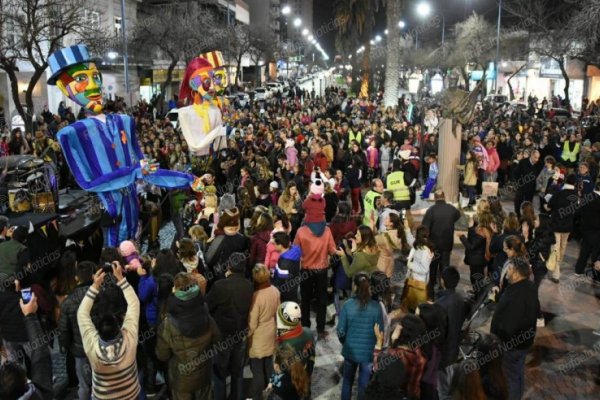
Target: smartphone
{"type": "Point", "coordinates": [404, 213]}
{"type": "Point", "coordinates": [26, 294]}
{"type": "Point", "coordinates": [107, 268]}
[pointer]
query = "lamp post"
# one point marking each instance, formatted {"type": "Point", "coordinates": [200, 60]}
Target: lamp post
{"type": "Point", "coordinates": [423, 9]}
{"type": "Point", "coordinates": [498, 44]}
{"type": "Point", "coordinates": [125, 54]}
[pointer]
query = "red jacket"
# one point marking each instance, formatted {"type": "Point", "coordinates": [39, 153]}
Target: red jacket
{"type": "Point", "coordinates": [315, 249]}
{"type": "Point", "coordinates": [493, 160]}
{"type": "Point", "coordinates": [320, 160]}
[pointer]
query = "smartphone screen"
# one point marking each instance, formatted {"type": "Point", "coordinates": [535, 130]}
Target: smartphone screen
{"type": "Point", "coordinates": [26, 295]}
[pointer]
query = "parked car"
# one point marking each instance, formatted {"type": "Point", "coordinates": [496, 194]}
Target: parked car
{"type": "Point", "coordinates": [261, 94]}
{"type": "Point", "coordinates": [274, 87]}
{"type": "Point", "coordinates": [173, 116]}
{"type": "Point", "coordinates": [496, 100]}
{"type": "Point", "coordinates": [560, 113]}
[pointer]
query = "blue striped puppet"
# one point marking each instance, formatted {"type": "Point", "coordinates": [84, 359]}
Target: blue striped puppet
{"type": "Point", "coordinates": [102, 150]}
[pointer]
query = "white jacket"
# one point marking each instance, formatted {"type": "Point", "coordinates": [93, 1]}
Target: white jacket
{"type": "Point", "coordinates": [418, 263]}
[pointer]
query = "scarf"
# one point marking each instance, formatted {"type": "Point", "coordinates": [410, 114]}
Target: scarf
{"type": "Point", "coordinates": [188, 293]}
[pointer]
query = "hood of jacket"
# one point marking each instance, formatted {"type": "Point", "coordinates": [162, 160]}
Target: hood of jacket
{"type": "Point", "coordinates": [317, 228]}
{"type": "Point", "coordinates": [264, 236]}
{"type": "Point", "coordinates": [190, 317]}
{"type": "Point", "coordinates": [293, 254]}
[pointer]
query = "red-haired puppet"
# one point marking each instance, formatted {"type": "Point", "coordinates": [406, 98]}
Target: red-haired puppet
{"type": "Point", "coordinates": [201, 122]}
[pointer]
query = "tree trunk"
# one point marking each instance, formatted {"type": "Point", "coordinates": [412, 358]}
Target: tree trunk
{"type": "Point", "coordinates": [450, 141]}
{"type": "Point", "coordinates": [29, 98]}
{"type": "Point", "coordinates": [392, 62]}
{"type": "Point", "coordinates": [510, 88]}
{"type": "Point", "coordinates": [167, 83]}
{"type": "Point", "coordinates": [465, 76]}
{"type": "Point", "coordinates": [561, 64]}
{"type": "Point", "coordinates": [14, 91]}
{"type": "Point", "coordinates": [237, 70]}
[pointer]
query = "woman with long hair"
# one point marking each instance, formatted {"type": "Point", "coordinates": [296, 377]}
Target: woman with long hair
{"type": "Point", "coordinates": [364, 251]}
{"type": "Point", "coordinates": [419, 260]}
{"type": "Point", "coordinates": [514, 247]}
{"type": "Point", "coordinates": [510, 227]}
{"type": "Point", "coordinates": [405, 338]}
{"type": "Point", "coordinates": [538, 250]}
{"type": "Point", "coordinates": [470, 177]}
{"type": "Point", "coordinates": [262, 330]}
{"type": "Point", "coordinates": [261, 237]}
{"type": "Point", "coordinates": [434, 317]}
{"type": "Point", "coordinates": [529, 220]}
{"type": "Point", "coordinates": [290, 381]}
{"type": "Point", "coordinates": [354, 329]}
{"type": "Point", "coordinates": [393, 243]}
{"type": "Point", "coordinates": [192, 260]}
{"type": "Point", "coordinates": [280, 224]}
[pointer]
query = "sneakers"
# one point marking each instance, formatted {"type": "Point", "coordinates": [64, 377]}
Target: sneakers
{"type": "Point", "coordinates": [540, 322]}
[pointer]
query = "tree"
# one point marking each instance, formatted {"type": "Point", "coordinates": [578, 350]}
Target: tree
{"type": "Point", "coordinates": [174, 31]}
{"type": "Point", "coordinates": [550, 23]}
{"type": "Point", "coordinates": [30, 31]}
{"type": "Point", "coordinates": [392, 63]}
{"type": "Point", "coordinates": [239, 45]}
{"type": "Point", "coordinates": [585, 26]}
{"type": "Point", "coordinates": [355, 20]}
{"type": "Point", "coordinates": [262, 47]}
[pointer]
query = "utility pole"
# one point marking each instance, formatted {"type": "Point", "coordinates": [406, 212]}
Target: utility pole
{"type": "Point", "coordinates": [125, 54]}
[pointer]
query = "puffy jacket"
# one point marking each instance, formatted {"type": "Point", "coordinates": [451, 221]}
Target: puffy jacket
{"type": "Point", "coordinates": [474, 248]}
{"type": "Point", "coordinates": [287, 273]}
{"type": "Point", "coordinates": [229, 303]}
{"type": "Point", "coordinates": [493, 160]}
{"type": "Point", "coordinates": [69, 336]}
{"type": "Point", "coordinates": [355, 329]}
{"type": "Point", "coordinates": [563, 206]}
{"type": "Point", "coordinates": [186, 334]}
{"type": "Point", "coordinates": [258, 247]}
{"type": "Point", "coordinates": [148, 293]}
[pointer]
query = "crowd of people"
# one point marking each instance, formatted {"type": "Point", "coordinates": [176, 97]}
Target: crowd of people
{"type": "Point", "coordinates": [306, 203]}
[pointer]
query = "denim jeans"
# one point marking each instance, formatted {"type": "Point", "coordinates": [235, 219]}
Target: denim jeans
{"type": "Point", "coordinates": [513, 364]}
{"type": "Point", "coordinates": [84, 376]}
{"type": "Point", "coordinates": [262, 369]}
{"type": "Point", "coordinates": [230, 361]}
{"type": "Point", "coordinates": [364, 374]}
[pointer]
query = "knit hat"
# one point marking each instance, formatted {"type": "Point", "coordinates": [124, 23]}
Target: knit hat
{"type": "Point", "coordinates": [587, 143]}
{"type": "Point", "coordinates": [288, 315]}
{"type": "Point", "coordinates": [227, 202]}
{"type": "Point", "coordinates": [229, 218]}
{"type": "Point", "coordinates": [274, 185]}
{"type": "Point", "coordinates": [314, 204]}
{"type": "Point", "coordinates": [130, 253]}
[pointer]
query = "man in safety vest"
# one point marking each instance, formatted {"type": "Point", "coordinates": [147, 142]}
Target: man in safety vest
{"type": "Point", "coordinates": [570, 151]}
{"type": "Point", "coordinates": [400, 182]}
{"type": "Point", "coordinates": [371, 201]}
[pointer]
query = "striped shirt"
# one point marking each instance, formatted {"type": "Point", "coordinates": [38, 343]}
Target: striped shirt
{"type": "Point", "coordinates": [115, 377]}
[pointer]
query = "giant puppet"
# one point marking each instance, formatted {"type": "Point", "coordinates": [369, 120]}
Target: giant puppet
{"type": "Point", "coordinates": [201, 122]}
{"type": "Point", "coordinates": [102, 150]}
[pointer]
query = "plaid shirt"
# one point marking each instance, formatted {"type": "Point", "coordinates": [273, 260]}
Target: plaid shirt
{"type": "Point", "coordinates": [414, 363]}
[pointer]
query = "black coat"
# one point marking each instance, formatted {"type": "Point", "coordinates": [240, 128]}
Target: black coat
{"type": "Point", "coordinates": [229, 303]}
{"type": "Point", "coordinates": [70, 337]}
{"type": "Point", "coordinates": [525, 174]}
{"type": "Point", "coordinates": [474, 248]}
{"type": "Point", "coordinates": [12, 322]}
{"type": "Point", "coordinates": [514, 320]}
{"type": "Point", "coordinates": [563, 206]}
{"type": "Point", "coordinates": [219, 252]}
{"type": "Point", "coordinates": [454, 304]}
{"type": "Point", "coordinates": [589, 213]}
{"type": "Point", "coordinates": [497, 248]}
{"type": "Point", "coordinates": [440, 219]}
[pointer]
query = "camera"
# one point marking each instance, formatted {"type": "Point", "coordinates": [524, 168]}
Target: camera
{"type": "Point", "coordinates": [107, 268]}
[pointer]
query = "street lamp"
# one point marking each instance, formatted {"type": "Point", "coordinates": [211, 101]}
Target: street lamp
{"type": "Point", "coordinates": [413, 83]}
{"type": "Point", "coordinates": [311, 38]}
{"type": "Point", "coordinates": [304, 32]}
{"type": "Point", "coordinates": [286, 10]}
{"type": "Point", "coordinates": [402, 24]}
{"type": "Point", "coordinates": [297, 22]}
{"type": "Point", "coordinates": [437, 83]}
{"type": "Point", "coordinates": [112, 55]}
{"type": "Point", "coordinates": [378, 38]}
{"type": "Point", "coordinates": [423, 9]}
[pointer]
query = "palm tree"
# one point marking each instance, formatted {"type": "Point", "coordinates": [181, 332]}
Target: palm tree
{"type": "Point", "coordinates": [392, 64]}
{"type": "Point", "coordinates": [355, 20]}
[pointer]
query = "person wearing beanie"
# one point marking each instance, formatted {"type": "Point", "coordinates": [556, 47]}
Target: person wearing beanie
{"type": "Point", "coordinates": [291, 333]}
{"type": "Point", "coordinates": [314, 204]}
{"type": "Point", "coordinates": [187, 331]}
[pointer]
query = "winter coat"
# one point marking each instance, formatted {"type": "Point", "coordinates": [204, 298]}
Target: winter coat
{"type": "Point", "coordinates": [229, 302]}
{"type": "Point", "coordinates": [12, 322]}
{"type": "Point", "coordinates": [70, 337]}
{"type": "Point", "coordinates": [563, 206]}
{"type": "Point", "coordinates": [454, 304]}
{"type": "Point", "coordinates": [474, 248]}
{"type": "Point", "coordinates": [39, 387]}
{"type": "Point", "coordinates": [148, 294]}
{"type": "Point", "coordinates": [440, 219]}
{"type": "Point", "coordinates": [286, 276]}
{"type": "Point", "coordinates": [262, 331]}
{"type": "Point", "coordinates": [493, 160]}
{"type": "Point", "coordinates": [258, 247]}
{"type": "Point", "coordinates": [361, 262]}
{"type": "Point", "coordinates": [389, 244]}
{"type": "Point", "coordinates": [186, 333]}
{"type": "Point", "coordinates": [355, 329]}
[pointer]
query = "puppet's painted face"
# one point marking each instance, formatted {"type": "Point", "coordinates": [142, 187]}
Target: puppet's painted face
{"type": "Point", "coordinates": [221, 81]}
{"type": "Point", "coordinates": [82, 83]}
{"type": "Point", "coordinates": [203, 82]}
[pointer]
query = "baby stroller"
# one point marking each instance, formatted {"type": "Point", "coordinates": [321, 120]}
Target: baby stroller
{"type": "Point", "coordinates": [479, 310]}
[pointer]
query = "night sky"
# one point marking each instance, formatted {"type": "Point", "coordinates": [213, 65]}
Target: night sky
{"type": "Point", "coordinates": [453, 10]}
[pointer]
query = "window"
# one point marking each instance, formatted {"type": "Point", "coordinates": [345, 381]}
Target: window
{"type": "Point", "coordinates": [118, 26]}
{"type": "Point", "coordinates": [91, 18]}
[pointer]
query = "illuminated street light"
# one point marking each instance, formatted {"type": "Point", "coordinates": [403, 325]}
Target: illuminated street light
{"type": "Point", "coordinates": [286, 10]}
{"type": "Point", "coordinates": [378, 38]}
{"type": "Point", "coordinates": [386, 32]}
{"type": "Point", "coordinates": [304, 32]}
{"type": "Point", "coordinates": [401, 24]}
{"type": "Point", "coordinates": [311, 38]}
{"type": "Point", "coordinates": [297, 22]}
{"type": "Point", "coordinates": [423, 9]}
{"type": "Point", "coordinates": [112, 55]}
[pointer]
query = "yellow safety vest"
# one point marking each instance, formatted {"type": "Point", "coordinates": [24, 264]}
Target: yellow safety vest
{"type": "Point", "coordinates": [370, 206]}
{"type": "Point", "coordinates": [395, 183]}
{"type": "Point", "coordinates": [354, 136]}
{"type": "Point", "coordinates": [568, 155]}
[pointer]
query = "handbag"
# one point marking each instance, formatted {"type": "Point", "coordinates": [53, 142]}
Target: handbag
{"type": "Point", "coordinates": [552, 260]}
